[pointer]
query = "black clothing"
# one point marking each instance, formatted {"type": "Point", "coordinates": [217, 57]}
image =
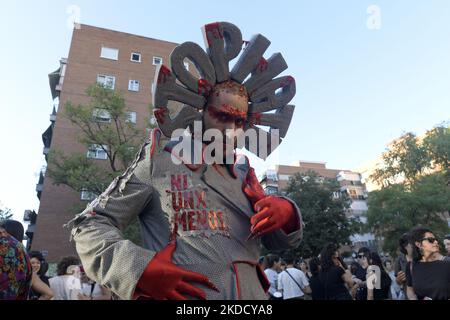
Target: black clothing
{"type": "Point", "coordinates": [430, 279]}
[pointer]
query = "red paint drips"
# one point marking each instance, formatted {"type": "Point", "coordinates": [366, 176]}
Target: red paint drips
{"type": "Point", "coordinates": [160, 114]}
{"type": "Point", "coordinates": [255, 118]}
{"type": "Point", "coordinates": [204, 87]}
{"type": "Point", "coordinates": [213, 29]}
{"type": "Point", "coordinates": [286, 82]}
{"type": "Point", "coordinates": [163, 74]}
{"type": "Point", "coordinates": [262, 65]}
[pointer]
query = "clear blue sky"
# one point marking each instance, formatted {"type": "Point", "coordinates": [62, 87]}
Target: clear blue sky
{"type": "Point", "coordinates": [357, 88]}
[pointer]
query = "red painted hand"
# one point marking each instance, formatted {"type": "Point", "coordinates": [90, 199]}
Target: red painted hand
{"type": "Point", "coordinates": [273, 213]}
{"type": "Point", "coordinates": [163, 280]}
{"type": "Point", "coordinates": [252, 188]}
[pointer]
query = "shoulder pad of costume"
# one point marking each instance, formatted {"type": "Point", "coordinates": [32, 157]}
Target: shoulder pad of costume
{"type": "Point", "coordinates": [155, 141]}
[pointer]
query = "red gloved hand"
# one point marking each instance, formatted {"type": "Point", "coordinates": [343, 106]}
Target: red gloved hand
{"type": "Point", "coordinates": [252, 188]}
{"type": "Point", "coordinates": [163, 280]}
{"type": "Point", "coordinates": [273, 213]}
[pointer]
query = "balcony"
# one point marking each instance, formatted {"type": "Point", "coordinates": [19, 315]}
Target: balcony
{"type": "Point", "coordinates": [53, 114]}
{"type": "Point", "coordinates": [40, 185]}
{"type": "Point", "coordinates": [56, 78]}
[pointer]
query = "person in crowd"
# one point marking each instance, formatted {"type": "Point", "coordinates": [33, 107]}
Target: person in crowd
{"type": "Point", "coordinates": [40, 289]}
{"type": "Point", "coordinates": [262, 262]}
{"type": "Point", "coordinates": [354, 267]}
{"type": "Point", "coordinates": [377, 279]}
{"type": "Point", "coordinates": [15, 268]}
{"type": "Point", "coordinates": [303, 265]}
{"type": "Point", "coordinates": [396, 291]}
{"type": "Point", "coordinates": [273, 264]}
{"type": "Point", "coordinates": [406, 255]}
{"type": "Point", "coordinates": [67, 285]}
{"type": "Point", "coordinates": [334, 275]}
{"type": "Point", "coordinates": [90, 290]}
{"type": "Point", "coordinates": [12, 228]}
{"type": "Point", "coordinates": [446, 243]}
{"type": "Point", "coordinates": [360, 292]}
{"type": "Point", "coordinates": [292, 282]}
{"type": "Point", "coordinates": [316, 285]}
{"type": "Point", "coordinates": [283, 265]}
{"type": "Point", "coordinates": [428, 275]}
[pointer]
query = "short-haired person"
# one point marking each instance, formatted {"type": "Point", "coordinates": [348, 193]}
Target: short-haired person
{"type": "Point", "coordinates": [273, 267]}
{"type": "Point", "coordinates": [292, 282]}
{"type": "Point", "coordinates": [67, 285]}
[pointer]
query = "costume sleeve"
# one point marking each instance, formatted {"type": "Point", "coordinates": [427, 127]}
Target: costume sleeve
{"type": "Point", "coordinates": [279, 240]}
{"type": "Point", "coordinates": [107, 257]}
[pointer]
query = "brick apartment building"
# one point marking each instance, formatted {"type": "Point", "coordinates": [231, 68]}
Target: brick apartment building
{"type": "Point", "coordinates": [122, 61]}
{"type": "Point", "coordinates": [274, 181]}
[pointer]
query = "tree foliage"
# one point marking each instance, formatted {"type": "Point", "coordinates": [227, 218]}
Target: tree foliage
{"type": "Point", "coordinates": [324, 214]}
{"type": "Point", "coordinates": [5, 214]}
{"type": "Point", "coordinates": [103, 122]}
{"type": "Point", "coordinates": [416, 191]}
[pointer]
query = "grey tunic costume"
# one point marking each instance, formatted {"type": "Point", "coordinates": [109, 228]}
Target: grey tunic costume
{"type": "Point", "coordinates": [204, 205]}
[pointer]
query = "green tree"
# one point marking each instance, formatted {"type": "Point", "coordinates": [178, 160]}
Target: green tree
{"type": "Point", "coordinates": [5, 214]}
{"type": "Point", "coordinates": [104, 122]}
{"type": "Point", "coordinates": [323, 213]}
{"type": "Point", "coordinates": [437, 143]}
{"type": "Point", "coordinates": [406, 160]}
{"type": "Point", "coordinates": [415, 190]}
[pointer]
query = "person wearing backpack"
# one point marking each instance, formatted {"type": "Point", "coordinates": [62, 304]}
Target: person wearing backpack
{"type": "Point", "coordinates": [292, 282]}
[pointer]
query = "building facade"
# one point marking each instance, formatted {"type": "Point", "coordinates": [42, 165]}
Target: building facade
{"type": "Point", "coordinates": [118, 60]}
{"type": "Point", "coordinates": [277, 179]}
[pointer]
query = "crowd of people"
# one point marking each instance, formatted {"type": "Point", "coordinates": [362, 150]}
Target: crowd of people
{"type": "Point", "coordinates": [23, 275]}
{"type": "Point", "coordinates": [419, 272]}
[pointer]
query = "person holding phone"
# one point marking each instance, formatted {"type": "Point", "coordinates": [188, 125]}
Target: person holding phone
{"type": "Point", "coordinates": [334, 275]}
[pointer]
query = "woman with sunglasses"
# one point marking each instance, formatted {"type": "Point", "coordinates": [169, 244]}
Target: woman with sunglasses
{"type": "Point", "coordinates": [428, 276]}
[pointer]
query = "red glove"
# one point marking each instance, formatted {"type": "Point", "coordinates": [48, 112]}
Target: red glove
{"type": "Point", "coordinates": [163, 280]}
{"type": "Point", "coordinates": [273, 213]}
{"type": "Point", "coordinates": [252, 188]}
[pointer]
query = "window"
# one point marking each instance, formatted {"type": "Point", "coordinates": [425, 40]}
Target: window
{"type": "Point", "coordinates": [101, 115]}
{"type": "Point", "coordinates": [133, 85]}
{"type": "Point", "coordinates": [87, 195]}
{"type": "Point", "coordinates": [157, 61]}
{"type": "Point", "coordinates": [186, 65]}
{"type": "Point", "coordinates": [106, 81]}
{"type": "Point", "coordinates": [109, 53]}
{"type": "Point", "coordinates": [271, 190]}
{"type": "Point", "coordinates": [135, 57]}
{"type": "Point", "coordinates": [97, 152]}
{"type": "Point", "coordinates": [131, 116]}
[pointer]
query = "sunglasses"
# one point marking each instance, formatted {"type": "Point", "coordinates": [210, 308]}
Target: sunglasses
{"type": "Point", "coordinates": [430, 239]}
